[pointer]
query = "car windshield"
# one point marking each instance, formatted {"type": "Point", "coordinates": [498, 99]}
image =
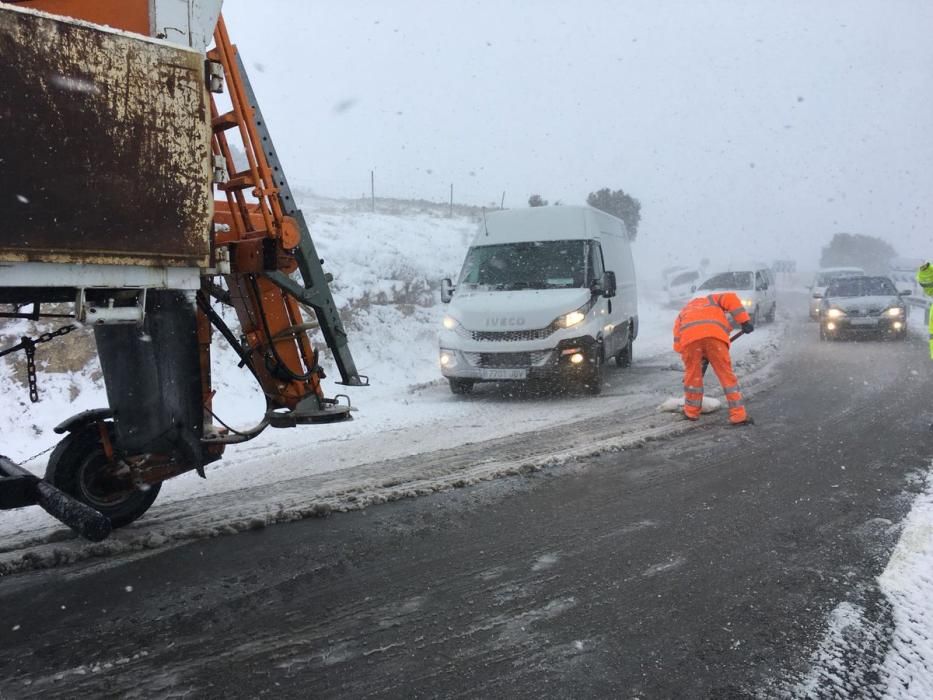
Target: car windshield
{"type": "Point", "coordinates": [861, 287]}
{"type": "Point", "coordinates": [824, 278]}
{"type": "Point", "coordinates": [686, 277]}
{"type": "Point", "coordinates": [528, 265]}
{"type": "Point", "coordinates": [729, 280]}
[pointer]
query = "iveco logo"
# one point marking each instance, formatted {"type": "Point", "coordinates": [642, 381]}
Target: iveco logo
{"type": "Point", "coordinates": [505, 322]}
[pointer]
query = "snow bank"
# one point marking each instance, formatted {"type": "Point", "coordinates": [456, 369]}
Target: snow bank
{"type": "Point", "coordinates": [908, 583]}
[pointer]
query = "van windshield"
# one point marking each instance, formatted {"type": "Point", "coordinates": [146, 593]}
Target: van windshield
{"type": "Point", "coordinates": [729, 280]}
{"type": "Point", "coordinates": [527, 265]}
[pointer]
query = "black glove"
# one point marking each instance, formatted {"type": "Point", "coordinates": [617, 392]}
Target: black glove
{"type": "Point", "coordinates": [747, 327]}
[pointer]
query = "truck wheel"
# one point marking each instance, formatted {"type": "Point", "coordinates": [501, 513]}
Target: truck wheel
{"type": "Point", "coordinates": [592, 380]}
{"type": "Point", "coordinates": [460, 387]}
{"type": "Point", "coordinates": [624, 356]}
{"type": "Point", "coordinates": [79, 467]}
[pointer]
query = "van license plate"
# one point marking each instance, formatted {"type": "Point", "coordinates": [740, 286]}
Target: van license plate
{"type": "Point", "coordinates": [504, 373]}
{"type": "Point", "coordinates": [864, 321]}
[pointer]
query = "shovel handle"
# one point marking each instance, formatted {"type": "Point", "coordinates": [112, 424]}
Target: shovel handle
{"type": "Point", "coordinates": [731, 340]}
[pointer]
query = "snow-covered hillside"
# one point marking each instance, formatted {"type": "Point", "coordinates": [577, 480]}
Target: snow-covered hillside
{"type": "Point", "coordinates": [386, 268]}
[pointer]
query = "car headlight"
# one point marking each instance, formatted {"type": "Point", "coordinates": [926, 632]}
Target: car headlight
{"type": "Point", "coordinates": [894, 311]}
{"type": "Point", "coordinates": [748, 303]}
{"type": "Point", "coordinates": [835, 313]}
{"type": "Point", "coordinates": [448, 358]}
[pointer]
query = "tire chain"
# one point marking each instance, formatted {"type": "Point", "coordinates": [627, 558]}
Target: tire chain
{"type": "Point", "coordinates": [28, 345]}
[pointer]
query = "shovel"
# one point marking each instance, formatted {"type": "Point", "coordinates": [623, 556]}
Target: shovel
{"type": "Point", "coordinates": [731, 340]}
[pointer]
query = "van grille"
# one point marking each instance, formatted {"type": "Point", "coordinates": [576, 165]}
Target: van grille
{"type": "Point", "coordinates": [514, 336]}
{"type": "Point", "coordinates": [507, 360]}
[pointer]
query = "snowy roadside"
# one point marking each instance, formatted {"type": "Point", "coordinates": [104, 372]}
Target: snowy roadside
{"type": "Point", "coordinates": [442, 442]}
{"type": "Point", "coordinates": [386, 266]}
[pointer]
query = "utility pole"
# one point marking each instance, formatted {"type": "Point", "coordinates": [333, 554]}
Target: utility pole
{"type": "Point", "coordinates": [502, 203]}
{"type": "Point", "coordinates": [451, 200]}
{"type": "Point", "coordinates": [372, 188]}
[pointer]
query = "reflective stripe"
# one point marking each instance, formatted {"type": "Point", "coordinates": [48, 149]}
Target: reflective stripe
{"type": "Point", "coordinates": [740, 310]}
{"type": "Point", "coordinates": [736, 404]}
{"type": "Point", "coordinates": [732, 389]}
{"type": "Point", "coordinates": [712, 300]}
{"type": "Point", "coordinates": [694, 389]}
{"type": "Point", "coordinates": [696, 403]}
{"type": "Point", "coordinates": [726, 328]}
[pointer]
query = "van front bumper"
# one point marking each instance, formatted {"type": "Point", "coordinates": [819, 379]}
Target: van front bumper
{"type": "Point", "coordinates": [555, 363]}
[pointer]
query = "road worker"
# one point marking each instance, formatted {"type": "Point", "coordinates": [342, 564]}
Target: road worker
{"type": "Point", "coordinates": [925, 280]}
{"type": "Point", "coordinates": [701, 335]}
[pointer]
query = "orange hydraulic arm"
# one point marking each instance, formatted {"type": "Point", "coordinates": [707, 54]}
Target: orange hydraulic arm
{"type": "Point", "coordinates": [259, 236]}
{"type": "Point", "coordinates": [266, 246]}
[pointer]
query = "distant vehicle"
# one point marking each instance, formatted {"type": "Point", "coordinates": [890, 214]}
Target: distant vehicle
{"type": "Point", "coordinates": [863, 305]}
{"type": "Point", "coordinates": [668, 273]}
{"type": "Point", "coordinates": [545, 293]}
{"type": "Point", "coordinates": [753, 284]}
{"type": "Point", "coordinates": [821, 281]}
{"type": "Point", "coordinates": [682, 286]}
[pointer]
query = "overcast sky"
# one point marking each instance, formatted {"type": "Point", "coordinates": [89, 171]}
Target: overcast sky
{"type": "Point", "coordinates": [746, 129]}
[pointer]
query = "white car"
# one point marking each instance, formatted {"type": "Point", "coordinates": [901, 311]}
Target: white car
{"type": "Point", "coordinates": [753, 285]}
{"type": "Point", "coordinates": [822, 280]}
{"type": "Point", "coordinates": [682, 286]}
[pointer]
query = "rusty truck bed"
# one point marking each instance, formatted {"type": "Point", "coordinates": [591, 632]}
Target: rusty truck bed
{"type": "Point", "coordinates": [104, 146]}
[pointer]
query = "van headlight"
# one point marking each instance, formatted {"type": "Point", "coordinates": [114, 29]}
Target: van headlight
{"type": "Point", "coordinates": [835, 313]}
{"type": "Point", "coordinates": [894, 312]}
{"type": "Point", "coordinates": [574, 318]}
{"type": "Point", "coordinates": [748, 303]}
{"type": "Point", "coordinates": [448, 359]}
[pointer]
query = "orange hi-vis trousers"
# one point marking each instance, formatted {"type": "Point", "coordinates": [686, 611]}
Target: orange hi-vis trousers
{"type": "Point", "coordinates": [717, 353]}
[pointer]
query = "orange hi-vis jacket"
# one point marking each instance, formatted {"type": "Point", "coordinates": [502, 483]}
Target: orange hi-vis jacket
{"type": "Point", "coordinates": [705, 317]}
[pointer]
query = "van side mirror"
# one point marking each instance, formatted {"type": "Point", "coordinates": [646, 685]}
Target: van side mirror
{"type": "Point", "coordinates": [817, 295]}
{"type": "Point", "coordinates": [609, 284]}
{"type": "Point", "coordinates": [905, 292]}
{"type": "Point", "coordinates": [693, 288]}
{"type": "Point", "coordinates": [447, 290]}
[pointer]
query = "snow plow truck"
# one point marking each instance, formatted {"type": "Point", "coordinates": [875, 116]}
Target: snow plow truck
{"type": "Point", "coordinates": [125, 211]}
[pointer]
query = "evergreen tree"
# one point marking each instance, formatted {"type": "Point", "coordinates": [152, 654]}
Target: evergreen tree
{"type": "Point", "coordinates": [620, 204]}
{"type": "Point", "coordinates": [858, 250]}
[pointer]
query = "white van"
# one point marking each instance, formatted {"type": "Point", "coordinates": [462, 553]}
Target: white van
{"type": "Point", "coordinates": [821, 281]}
{"type": "Point", "coordinates": [753, 283]}
{"type": "Point", "coordinates": [545, 293]}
